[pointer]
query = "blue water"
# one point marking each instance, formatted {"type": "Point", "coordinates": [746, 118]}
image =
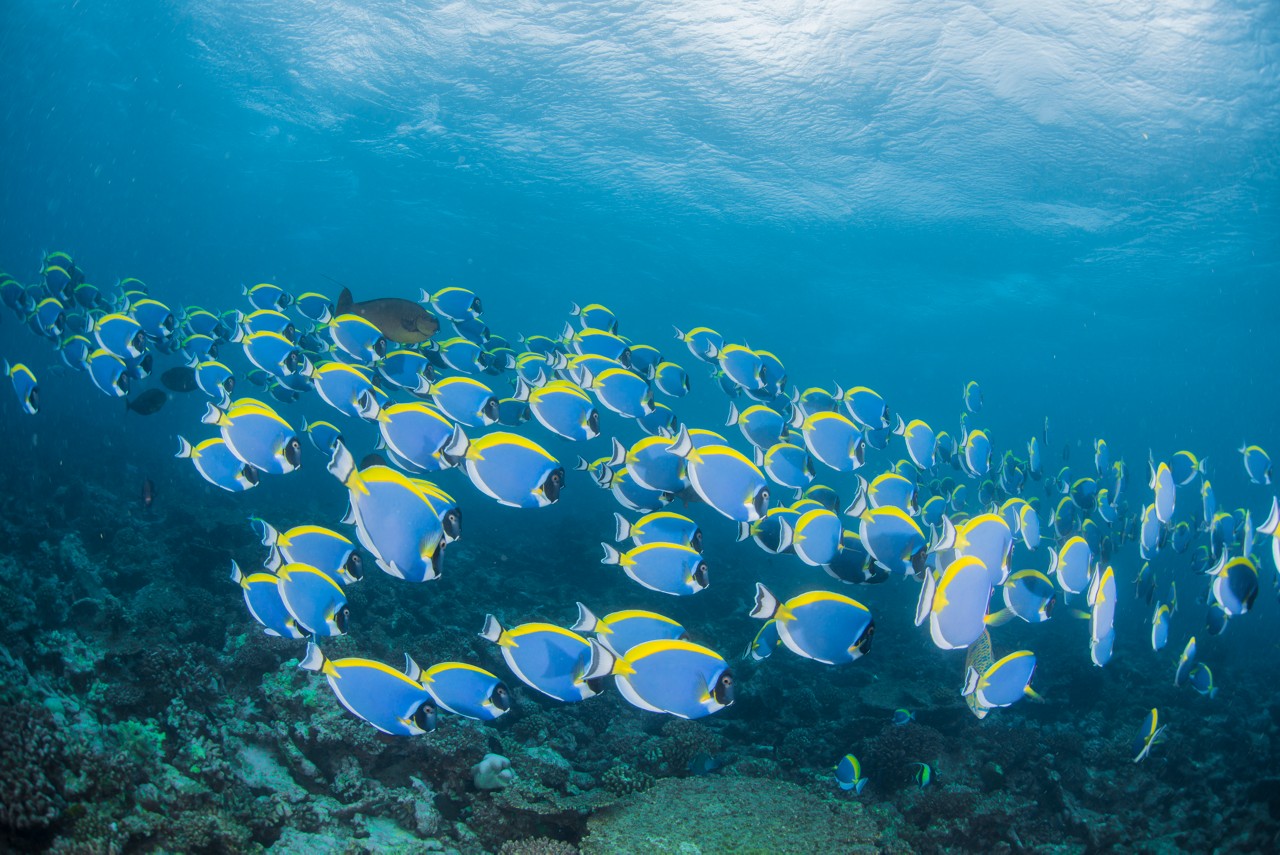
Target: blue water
{"type": "Point", "coordinates": [1079, 207]}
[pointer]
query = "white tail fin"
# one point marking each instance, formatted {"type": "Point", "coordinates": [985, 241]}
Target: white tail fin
{"type": "Point", "coordinates": [492, 629]}
{"type": "Point", "coordinates": [185, 449]}
{"type": "Point", "coordinates": [601, 663]}
{"type": "Point", "coordinates": [611, 555]}
{"type": "Point", "coordinates": [456, 447]}
{"type": "Point", "coordinates": [586, 622]}
{"type": "Point", "coordinates": [683, 446]}
{"type": "Point", "coordinates": [766, 605]}
{"type": "Point", "coordinates": [925, 603]}
{"type": "Point", "coordinates": [342, 464]}
{"type": "Point", "coordinates": [314, 660]}
{"type": "Point", "coordinates": [621, 528]}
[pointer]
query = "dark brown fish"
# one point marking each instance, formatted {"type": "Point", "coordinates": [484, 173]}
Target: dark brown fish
{"type": "Point", "coordinates": [180, 378]}
{"type": "Point", "coordinates": [401, 321]}
{"type": "Point", "coordinates": [148, 493]}
{"type": "Point", "coordinates": [148, 402]}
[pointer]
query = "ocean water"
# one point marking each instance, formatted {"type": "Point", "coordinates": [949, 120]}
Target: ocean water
{"type": "Point", "coordinates": [1076, 207]}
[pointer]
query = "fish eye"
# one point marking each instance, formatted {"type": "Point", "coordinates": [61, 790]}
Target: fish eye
{"type": "Point", "coordinates": [476, 307]}
{"type": "Point", "coordinates": [501, 698]}
{"type": "Point", "coordinates": [250, 474]}
{"type": "Point", "coordinates": [380, 347]}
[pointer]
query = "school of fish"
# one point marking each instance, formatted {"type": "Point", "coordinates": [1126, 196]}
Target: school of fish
{"type": "Point", "coordinates": [946, 511]}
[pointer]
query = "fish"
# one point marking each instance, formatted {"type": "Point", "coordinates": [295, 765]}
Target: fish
{"type": "Point", "coordinates": [1004, 683]}
{"type": "Point", "coordinates": [325, 436]}
{"type": "Point", "coordinates": [622, 630]}
{"type": "Point", "coordinates": [148, 493]}
{"type": "Point", "coordinates": [1029, 595]}
{"type": "Point", "coordinates": [703, 343]}
{"type": "Point", "coordinates": [312, 545]}
{"type": "Point", "coordinates": [266, 295]}
{"type": "Point", "coordinates": [24, 386]}
{"type": "Point", "coordinates": [988, 538]}
{"type": "Point", "coordinates": [622, 391]}
{"type": "Point", "coordinates": [1257, 463]}
{"type": "Point", "coordinates": [394, 702]}
{"type": "Point", "coordinates": [467, 690]}
{"type": "Point", "coordinates": [668, 568]}
{"type": "Point", "coordinates": [1185, 467]}
{"type": "Point", "coordinates": [464, 400]}
{"type": "Point", "coordinates": [765, 642]}
{"type": "Point", "coordinates": [398, 320]}
{"type": "Point", "coordinates": [1234, 585]}
{"type": "Point", "coordinates": [922, 444]}
{"type": "Point", "coordinates": [1150, 735]}
{"type": "Point", "coordinates": [760, 425]}
{"type": "Point", "coordinates": [834, 441]}
{"type": "Point", "coordinates": [976, 453]}
{"type": "Point", "coordinates": [1201, 679]}
{"type": "Point", "coordinates": [315, 306]}
{"type": "Point", "coordinates": [315, 599]}
{"type": "Point", "coordinates": [180, 378]}
{"type": "Point", "coordinates": [276, 355]}
{"type": "Point", "coordinates": [1163, 484]}
{"type": "Point", "coordinates": [866, 407]}
{"type": "Point", "coordinates": [406, 369]}
{"type": "Point", "coordinates": [1160, 627]}
{"type": "Point", "coordinates": [816, 536]}
{"type": "Point", "coordinates": [978, 658]}
{"type": "Point", "coordinates": [1102, 600]}
{"type": "Point", "coordinates": [1186, 661]}
{"type": "Point", "coordinates": [924, 774]}
{"type": "Point", "coordinates": [454, 303]}
{"type": "Point", "coordinates": [820, 625]}
{"type": "Point", "coordinates": [671, 379]}
{"type": "Point", "coordinates": [546, 657]}
{"type": "Point", "coordinates": [509, 468]}
{"type": "Point", "coordinates": [594, 316]}
{"type": "Point", "coordinates": [217, 464]}
{"type": "Point", "coordinates": [262, 597]}
{"type": "Point", "coordinates": [1071, 565]}
{"type": "Point", "coordinates": [903, 716]}
{"type": "Point", "coordinates": [564, 408]}
{"type": "Point", "coordinates": [348, 389]}
{"type": "Point", "coordinates": [148, 403]}
{"type": "Point", "coordinates": [894, 540]}
{"type": "Point", "coordinates": [724, 478]}
{"type": "Point", "coordinates": [972, 396]}
{"type": "Point", "coordinates": [659, 527]}
{"type": "Point", "coordinates": [789, 465]}
{"type": "Point", "coordinates": [120, 335]}
{"type": "Point", "coordinates": [669, 676]}
{"type": "Point", "coordinates": [849, 774]}
{"type": "Point", "coordinates": [395, 519]}
{"type": "Point", "coordinates": [108, 373]}
{"type": "Point", "coordinates": [257, 434]}
{"type": "Point", "coordinates": [357, 337]}
{"type": "Point", "coordinates": [956, 604]}
{"type": "Point", "coordinates": [416, 434]}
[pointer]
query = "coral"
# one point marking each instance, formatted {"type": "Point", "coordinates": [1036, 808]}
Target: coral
{"type": "Point", "coordinates": [29, 773]}
{"type": "Point", "coordinates": [527, 809]}
{"type": "Point", "coordinates": [680, 742]}
{"type": "Point", "coordinates": [492, 773]}
{"type": "Point", "coordinates": [888, 758]}
{"type": "Point", "coordinates": [623, 780]}
{"type": "Point", "coordinates": [537, 846]}
{"type": "Point", "coordinates": [731, 814]}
